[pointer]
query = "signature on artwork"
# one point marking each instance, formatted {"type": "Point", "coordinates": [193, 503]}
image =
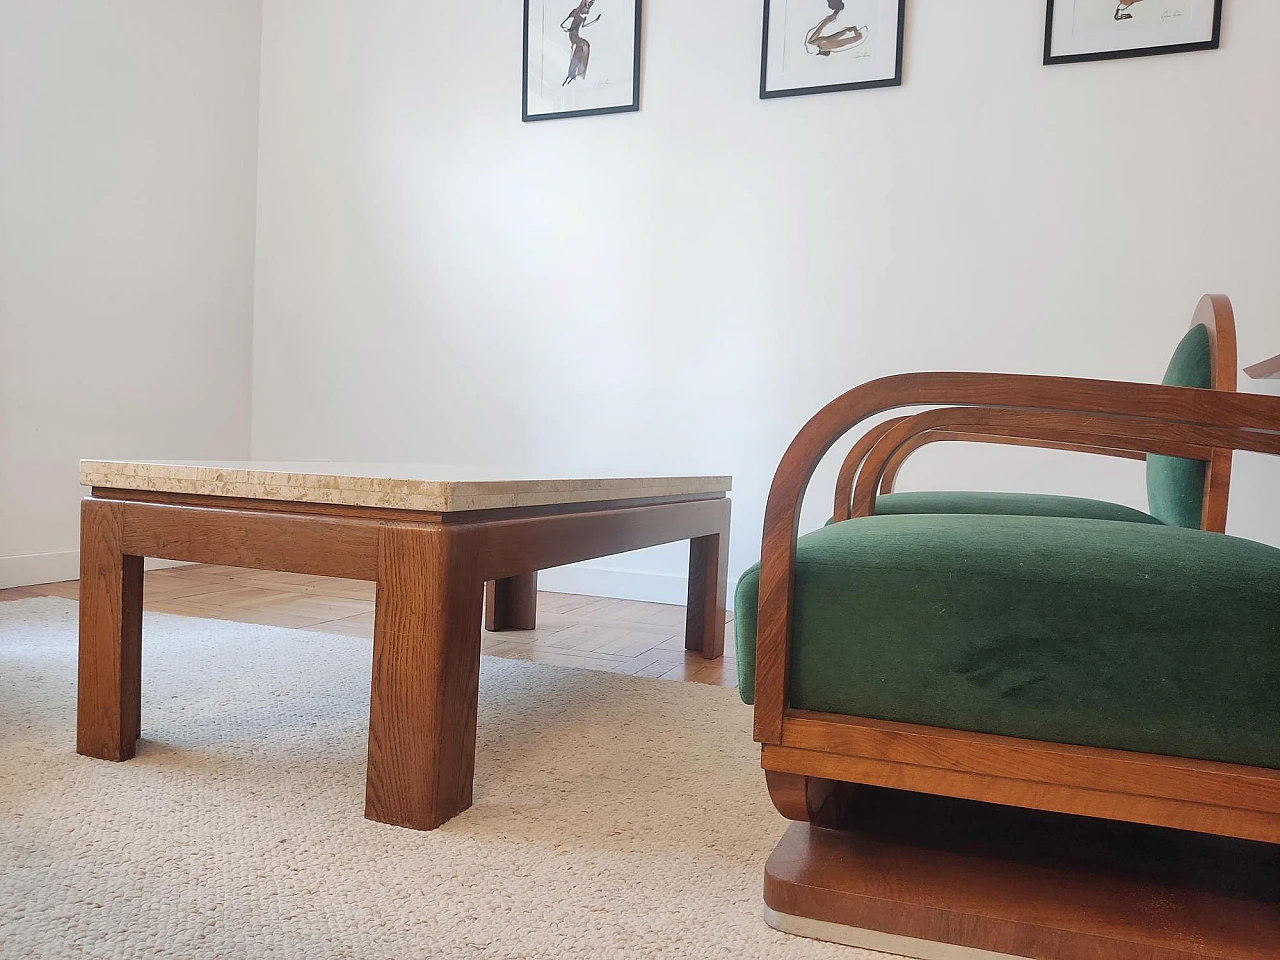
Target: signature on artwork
{"type": "Point", "coordinates": [1122, 11]}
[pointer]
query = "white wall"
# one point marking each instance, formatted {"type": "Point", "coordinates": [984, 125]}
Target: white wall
{"type": "Point", "coordinates": [128, 138]}
{"type": "Point", "coordinates": [678, 290]}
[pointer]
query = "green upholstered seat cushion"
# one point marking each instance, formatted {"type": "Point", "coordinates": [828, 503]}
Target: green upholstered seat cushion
{"type": "Point", "coordinates": [1006, 504]}
{"type": "Point", "coordinates": [1123, 635]}
{"type": "Point", "coordinates": [1175, 487]}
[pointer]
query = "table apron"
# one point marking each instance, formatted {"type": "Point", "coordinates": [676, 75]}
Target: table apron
{"type": "Point", "coordinates": [520, 546]}
{"type": "Point", "coordinates": [291, 542]}
{"type": "Point", "coordinates": [343, 547]}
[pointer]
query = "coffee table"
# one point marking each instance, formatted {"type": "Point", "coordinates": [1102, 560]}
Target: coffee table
{"type": "Point", "coordinates": [431, 539]}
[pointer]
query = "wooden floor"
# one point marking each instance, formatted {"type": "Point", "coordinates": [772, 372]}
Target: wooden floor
{"type": "Point", "coordinates": [620, 636]}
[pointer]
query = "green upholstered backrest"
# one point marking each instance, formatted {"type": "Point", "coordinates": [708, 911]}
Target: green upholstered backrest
{"type": "Point", "coordinates": [1175, 487]}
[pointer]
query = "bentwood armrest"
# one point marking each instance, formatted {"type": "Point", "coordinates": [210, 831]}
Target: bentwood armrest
{"type": "Point", "coordinates": [858, 454]}
{"type": "Point", "coordinates": [1092, 433]}
{"type": "Point", "coordinates": [1213, 313]}
{"type": "Point", "coordinates": [853, 462]}
{"type": "Point", "coordinates": [1227, 420]}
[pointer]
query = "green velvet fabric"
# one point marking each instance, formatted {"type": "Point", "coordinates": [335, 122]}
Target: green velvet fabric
{"type": "Point", "coordinates": [1123, 635]}
{"type": "Point", "coordinates": [1175, 487]}
{"type": "Point", "coordinates": [1006, 504]}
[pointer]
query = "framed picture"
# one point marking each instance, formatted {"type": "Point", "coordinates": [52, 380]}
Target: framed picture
{"type": "Point", "coordinates": [581, 58]}
{"type": "Point", "coordinates": [821, 46]}
{"type": "Point", "coordinates": [1077, 30]}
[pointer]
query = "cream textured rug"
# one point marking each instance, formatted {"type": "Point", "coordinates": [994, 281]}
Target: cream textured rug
{"type": "Point", "coordinates": [614, 816]}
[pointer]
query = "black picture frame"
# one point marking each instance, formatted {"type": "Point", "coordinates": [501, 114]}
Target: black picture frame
{"type": "Point", "coordinates": [631, 107]}
{"type": "Point", "coordinates": [894, 81]}
{"type": "Point", "coordinates": [1050, 59]}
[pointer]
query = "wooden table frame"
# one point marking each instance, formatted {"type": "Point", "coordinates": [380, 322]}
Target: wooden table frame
{"type": "Point", "coordinates": [430, 569]}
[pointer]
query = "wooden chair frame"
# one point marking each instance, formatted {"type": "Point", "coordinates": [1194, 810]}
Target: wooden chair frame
{"type": "Point", "coordinates": [808, 755]}
{"type": "Point", "coordinates": [1092, 433]}
{"type": "Point", "coordinates": [1214, 312]}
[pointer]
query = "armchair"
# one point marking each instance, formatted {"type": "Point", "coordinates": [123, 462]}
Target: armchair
{"type": "Point", "coordinates": [1122, 672]}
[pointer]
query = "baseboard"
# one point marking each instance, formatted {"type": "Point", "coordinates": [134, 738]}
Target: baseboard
{"type": "Point", "coordinates": [621, 584]}
{"type": "Point", "coordinates": [35, 568]}
{"type": "Point", "coordinates": [24, 571]}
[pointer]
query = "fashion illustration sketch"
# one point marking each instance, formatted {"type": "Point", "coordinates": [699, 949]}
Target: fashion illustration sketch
{"type": "Point", "coordinates": [844, 38]}
{"type": "Point", "coordinates": [581, 58]}
{"type": "Point", "coordinates": [572, 25]}
{"type": "Point", "coordinates": [821, 46]}
{"type": "Point", "coordinates": [1081, 30]}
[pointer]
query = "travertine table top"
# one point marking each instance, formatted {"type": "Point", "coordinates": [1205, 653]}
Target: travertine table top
{"type": "Point", "coordinates": [395, 486]}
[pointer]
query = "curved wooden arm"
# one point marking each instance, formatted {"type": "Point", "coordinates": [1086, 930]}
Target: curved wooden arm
{"type": "Point", "coordinates": [895, 463]}
{"type": "Point", "coordinates": [849, 468]}
{"type": "Point", "coordinates": [1214, 312]}
{"type": "Point", "coordinates": [1255, 418]}
{"type": "Point", "coordinates": [1213, 514]}
{"type": "Point", "coordinates": [1142, 437]}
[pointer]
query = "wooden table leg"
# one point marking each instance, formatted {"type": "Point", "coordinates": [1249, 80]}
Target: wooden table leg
{"type": "Point", "coordinates": [426, 675]}
{"type": "Point", "coordinates": [109, 690]}
{"type": "Point", "coordinates": [708, 582]}
{"type": "Point", "coordinates": [511, 603]}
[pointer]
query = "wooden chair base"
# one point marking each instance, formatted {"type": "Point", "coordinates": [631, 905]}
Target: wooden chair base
{"type": "Point", "coordinates": [942, 879]}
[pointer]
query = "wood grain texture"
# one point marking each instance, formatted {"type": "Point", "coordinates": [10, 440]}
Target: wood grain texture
{"type": "Point", "coordinates": [1216, 314]}
{"type": "Point", "coordinates": [204, 530]}
{"type": "Point", "coordinates": [426, 670]}
{"type": "Point", "coordinates": [1139, 436]}
{"type": "Point", "coordinates": [789, 793]}
{"type": "Point", "coordinates": [1229, 799]}
{"type": "Point", "coordinates": [378, 514]}
{"type": "Point", "coordinates": [1176, 778]}
{"type": "Point", "coordinates": [852, 463]}
{"type": "Point", "coordinates": [1217, 488]}
{"type": "Point", "coordinates": [303, 508]}
{"type": "Point", "coordinates": [1031, 794]}
{"type": "Point", "coordinates": [109, 684]}
{"type": "Point", "coordinates": [263, 540]}
{"type": "Point", "coordinates": [511, 603]}
{"type": "Point", "coordinates": [708, 585]}
{"type": "Point", "coordinates": [512, 547]}
{"type": "Point", "coordinates": [1030, 884]}
{"type": "Point", "coordinates": [824, 803]}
